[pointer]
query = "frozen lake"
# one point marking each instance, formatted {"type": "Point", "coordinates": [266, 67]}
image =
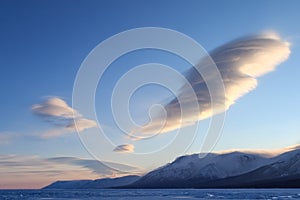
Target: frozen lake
{"type": "Point", "coordinates": [156, 194]}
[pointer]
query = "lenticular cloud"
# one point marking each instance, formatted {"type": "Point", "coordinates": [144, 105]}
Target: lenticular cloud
{"type": "Point", "coordinates": [59, 113]}
{"type": "Point", "coordinates": [240, 63]}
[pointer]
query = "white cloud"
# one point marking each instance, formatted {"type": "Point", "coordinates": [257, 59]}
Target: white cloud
{"type": "Point", "coordinates": [66, 119]}
{"type": "Point", "coordinates": [124, 148]}
{"type": "Point", "coordinates": [239, 62]}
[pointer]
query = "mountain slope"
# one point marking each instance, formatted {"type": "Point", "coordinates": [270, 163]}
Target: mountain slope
{"type": "Point", "coordinates": [110, 182]}
{"type": "Point", "coordinates": [211, 167]}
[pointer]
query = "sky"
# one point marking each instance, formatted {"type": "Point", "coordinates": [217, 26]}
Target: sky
{"type": "Point", "coordinates": [44, 43]}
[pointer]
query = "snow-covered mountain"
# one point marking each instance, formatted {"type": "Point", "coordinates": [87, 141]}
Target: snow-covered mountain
{"type": "Point", "coordinates": [192, 171]}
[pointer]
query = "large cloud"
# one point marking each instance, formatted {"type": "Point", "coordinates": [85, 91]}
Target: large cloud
{"type": "Point", "coordinates": [240, 63]}
{"type": "Point", "coordinates": [59, 113]}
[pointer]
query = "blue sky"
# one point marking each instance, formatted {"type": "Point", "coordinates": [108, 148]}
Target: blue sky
{"type": "Point", "coordinates": [43, 44]}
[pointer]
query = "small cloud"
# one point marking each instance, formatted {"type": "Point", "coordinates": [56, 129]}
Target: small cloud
{"type": "Point", "coordinates": [124, 148]}
{"type": "Point", "coordinates": [65, 119]}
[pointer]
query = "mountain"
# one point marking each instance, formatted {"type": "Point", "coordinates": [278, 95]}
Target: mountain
{"type": "Point", "coordinates": [234, 169]}
{"type": "Point", "coordinates": [93, 184]}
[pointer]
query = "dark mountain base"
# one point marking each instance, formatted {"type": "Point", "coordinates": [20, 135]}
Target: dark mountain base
{"type": "Point", "coordinates": [286, 182]}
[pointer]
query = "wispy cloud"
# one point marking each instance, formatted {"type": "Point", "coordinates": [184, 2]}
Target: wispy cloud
{"type": "Point", "coordinates": [240, 63]}
{"type": "Point", "coordinates": [124, 148]}
{"type": "Point", "coordinates": [65, 119]}
{"type": "Point", "coordinates": [5, 138]}
{"type": "Point", "coordinates": [81, 124]}
{"type": "Point", "coordinates": [8, 137]}
{"type": "Point", "coordinates": [15, 171]}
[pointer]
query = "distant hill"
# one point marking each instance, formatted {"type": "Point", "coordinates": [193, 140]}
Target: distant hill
{"type": "Point", "coordinates": [93, 184]}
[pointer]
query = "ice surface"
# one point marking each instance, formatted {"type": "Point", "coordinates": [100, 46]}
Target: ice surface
{"type": "Point", "coordinates": [157, 194]}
